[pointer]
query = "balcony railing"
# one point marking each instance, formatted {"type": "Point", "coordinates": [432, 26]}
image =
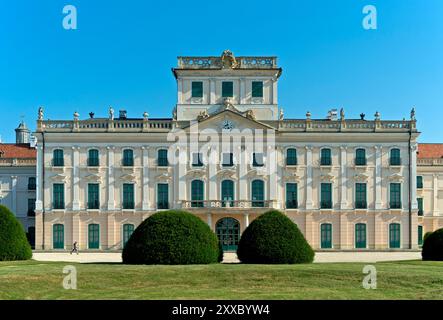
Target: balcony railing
{"type": "Point", "coordinates": [227, 204]}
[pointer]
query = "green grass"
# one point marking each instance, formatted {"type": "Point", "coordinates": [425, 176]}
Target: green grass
{"type": "Point", "coordinates": [395, 280]}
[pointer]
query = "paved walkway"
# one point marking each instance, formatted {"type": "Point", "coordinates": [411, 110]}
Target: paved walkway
{"type": "Point", "coordinates": [231, 257]}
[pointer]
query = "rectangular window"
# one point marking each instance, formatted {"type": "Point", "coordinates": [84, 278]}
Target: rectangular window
{"type": "Point", "coordinates": [257, 89]}
{"type": "Point", "coordinates": [31, 183]}
{"type": "Point", "coordinates": [93, 158]}
{"type": "Point", "coordinates": [162, 196]}
{"type": "Point", "coordinates": [325, 157]}
{"type": "Point", "coordinates": [419, 182]}
{"type": "Point", "coordinates": [326, 196]}
{"type": "Point", "coordinates": [228, 160]}
{"type": "Point", "coordinates": [420, 206]}
{"type": "Point", "coordinates": [395, 196]}
{"type": "Point", "coordinates": [162, 160]}
{"type": "Point", "coordinates": [395, 159]}
{"type": "Point", "coordinates": [128, 158]}
{"type": "Point", "coordinates": [58, 160]}
{"type": "Point", "coordinates": [291, 196]}
{"type": "Point", "coordinates": [360, 196]}
{"type": "Point", "coordinates": [257, 160]}
{"type": "Point", "coordinates": [360, 157]}
{"type": "Point", "coordinates": [31, 207]}
{"type": "Point", "coordinates": [420, 235]}
{"type": "Point", "coordinates": [197, 160]}
{"type": "Point", "coordinates": [93, 196]}
{"type": "Point", "coordinates": [227, 89]}
{"type": "Point", "coordinates": [197, 89]}
{"type": "Point", "coordinates": [291, 157]}
{"type": "Point", "coordinates": [58, 196]}
{"type": "Point", "coordinates": [128, 196]}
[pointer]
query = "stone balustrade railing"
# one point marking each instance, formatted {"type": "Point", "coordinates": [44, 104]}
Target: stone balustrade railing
{"type": "Point", "coordinates": [430, 162]}
{"type": "Point", "coordinates": [238, 204]}
{"type": "Point", "coordinates": [345, 125]}
{"type": "Point", "coordinates": [7, 162]}
{"type": "Point", "coordinates": [216, 62]}
{"type": "Point", "coordinates": [104, 125]}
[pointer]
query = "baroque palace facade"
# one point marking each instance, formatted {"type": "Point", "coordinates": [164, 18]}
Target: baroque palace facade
{"type": "Point", "coordinates": [347, 183]}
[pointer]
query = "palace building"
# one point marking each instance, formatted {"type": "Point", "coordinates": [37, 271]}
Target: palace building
{"type": "Point", "coordinates": [349, 184]}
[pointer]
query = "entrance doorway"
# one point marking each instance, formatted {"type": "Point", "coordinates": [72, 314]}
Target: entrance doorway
{"type": "Point", "coordinates": [228, 233]}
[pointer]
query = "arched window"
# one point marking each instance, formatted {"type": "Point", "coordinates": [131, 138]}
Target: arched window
{"type": "Point", "coordinates": [395, 159]}
{"type": "Point", "coordinates": [326, 236]}
{"type": "Point", "coordinates": [258, 193]}
{"type": "Point", "coordinates": [360, 157]}
{"type": "Point", "coordinates": [128, 229]}
{"type": "Point", "coordinates": [93, 160]}
{"type": "Point", "coordinates": [57, 158]}
{"type": "Point", "coordinates": [58, 236]}
{"type": "Point", "coordinates": [291, 157]}
{"type": "Point", "coordinates": [93, 236]}
{"type": "Point", "coordinates": [227, 193]}
{"type": "Point", "coordinates": [197, 193]}
{"type": "Point", "coordinates": [394, 235]}
{"type": "Point", "coordinates": [128, 158]}
{"type": "Point", "coordinates": [325, 157]}
{"type": "Point", "coordinates": [360, 235]}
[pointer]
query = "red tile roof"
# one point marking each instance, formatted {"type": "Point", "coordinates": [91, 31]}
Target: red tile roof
{"type": "Point", "coordinates": [430, 150]}
{"type": "Point", "coordinates": [19, 151]}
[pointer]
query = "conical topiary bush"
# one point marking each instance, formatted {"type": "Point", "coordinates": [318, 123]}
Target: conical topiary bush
{"type": "Point", "coordinates": [13, 242]}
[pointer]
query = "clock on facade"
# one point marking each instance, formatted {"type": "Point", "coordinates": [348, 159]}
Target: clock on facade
{"type": "Point", "coordinates": [227, 125]}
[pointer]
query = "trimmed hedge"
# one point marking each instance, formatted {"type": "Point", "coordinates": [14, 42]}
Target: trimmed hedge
{"type": "Point", "coordinates": [433, 246]}
{"type": "Point", "coordinates": [273, 238]}
{"type": "Point", "coordinates": [13, 242]}
{"type": "Point", "coordinates": [172, 237]}
{"type": "Point", "coordinates": [427, 234]}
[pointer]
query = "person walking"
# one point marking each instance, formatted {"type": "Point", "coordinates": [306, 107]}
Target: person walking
{"type": "Point", "coordinates": [74, 248]}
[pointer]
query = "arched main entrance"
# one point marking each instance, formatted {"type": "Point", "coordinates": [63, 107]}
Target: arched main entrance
{"type": "Point", "coordinates": [228, 233]}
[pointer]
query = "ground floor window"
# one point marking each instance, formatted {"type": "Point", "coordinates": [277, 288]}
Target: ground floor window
{"type": "Point", "coordinates": [394, 235]}
{"type": "Point", "coordinates": [128, 229]}
{"type": "Point", "coordinates": [360, 235]}
{"type": "Point", "coordinates": [94, 236]}
{"type": "Point", "coordinates": [228, 233]}
{"type": "Point", "coordinates": [326, 236]}
{"type": "Point", "coordinates": [420, 235]}
{"type": "Point", "coordinates": [58, 236]}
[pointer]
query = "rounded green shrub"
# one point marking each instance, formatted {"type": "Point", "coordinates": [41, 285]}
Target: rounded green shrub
{"type": "Point", "coordinates": [13, 242]}
{"type": "Point", "coordinates": [172, 237]}
{"type": "Point", "coordinates": [273, 238]}
{"type": "Point", "coordinates": [427, 234]}
{"type": "Point", "coordinates": [433, 246]}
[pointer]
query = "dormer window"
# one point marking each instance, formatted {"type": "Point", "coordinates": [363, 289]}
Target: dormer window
{"type": "Point", "coordinates": [197, 89]}
{"type": "Point", "coordinates": [227, 89]}
{"type": "Point", "coordinates": [257, 89]}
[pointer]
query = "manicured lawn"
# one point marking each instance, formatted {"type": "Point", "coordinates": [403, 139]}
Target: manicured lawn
{"type": "Point", "coordinates": [396, 280]}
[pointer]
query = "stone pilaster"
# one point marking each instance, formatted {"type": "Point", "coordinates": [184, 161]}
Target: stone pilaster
{"type": "Point", "coordinates": [343, 178]}
{"type": "Point", "coordinates": [75, 178]}
{"type": "Point", "coordinates": [111, 179]}
{"type": "Point", "coordinates": [309, 176]}
{"type": "Point", "coordinates": [378, 177]}
{"type": "Point", "coordinates": [145, 170]}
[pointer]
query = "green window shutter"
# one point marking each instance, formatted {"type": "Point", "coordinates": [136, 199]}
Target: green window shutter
{"type": "Point", "coordinates": [257, 89]}
{"type": "Point", "coordinates": [420, 235]}
{"type": "Point", "coordinates": [128, 230]}
{"type": "Point", "coordinates": [395, 159]}
{"type": "Point", "coordinates": [227, 193]}
{"type": "Point", "coordinates": [162, 158]}
{"type": "Point", "coordinates": [291, 196]}
{"type": "Point", "coordinates": [58, 236]}
{"type": "Point", "coordinates": [197, 89]}
{"type": "Point", "coordinates": [163, 196]}
{"type": "Point", "coordinates": [360, 157]}
{"type": "Point", "coordinates": [58, 159]}
{"type": "Point", "coordinates": [93, 196]}
{"type": "Point", "coordinates": [128, 196]}
{"type": "Point", "coordinates": [325, 159]}
{"type": "Point", "coordinates": [94, 236]}
{"type": "Point", "coordinates": [419, 182]}
{"type": "Point", "coordinates": [394, 235]}
{"type": "Point", "coordinates": [258, 193]}
{"type": "Point", "coordinates": [197, 193]}
{"type": "Point", "coordinates": [227, 89]}
{"type": "Point", "coordinates": [93, 158]}
{"type": "Point", "coordinates": [326, 236]}
{"type": "Point", "coordinates": [326, 196]}
{"type": "Point", "coordinates": [360, 196]}
{"type": "Point", "coordinates": [420, 206]}
{"type": "Point", "coordinates": [360, 235]}
{"type": "Point", "coordinates": [58, 196]}
{"type": "Point", "coordinates": [291, 157]}
{"type": "Point", "coordinates": [128, 158]}
{"type": "Point", "coordinates": [395, 196]}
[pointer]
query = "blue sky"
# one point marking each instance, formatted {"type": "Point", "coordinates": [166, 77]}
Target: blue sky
{"type": "Point", "coordinates": [122, 52]}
